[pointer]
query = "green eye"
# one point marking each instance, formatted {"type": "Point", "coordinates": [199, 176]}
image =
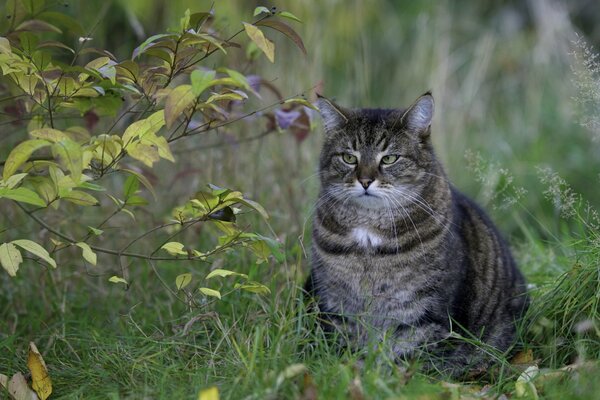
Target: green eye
{"type": "Point", "coordinates": [389, 159]}
{"type": "Point", "coordinates": [349, 159]}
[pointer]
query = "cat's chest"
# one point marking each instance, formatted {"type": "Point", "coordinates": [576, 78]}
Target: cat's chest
{"type": "Point", "coordinates": [366, 237]}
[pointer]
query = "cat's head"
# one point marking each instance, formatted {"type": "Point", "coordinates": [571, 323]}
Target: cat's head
{"type": "Point", "coordinates": [373, 155]}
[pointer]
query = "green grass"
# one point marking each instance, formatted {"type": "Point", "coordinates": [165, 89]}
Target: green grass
{"type": "Point", "coordinates": [504, 92]}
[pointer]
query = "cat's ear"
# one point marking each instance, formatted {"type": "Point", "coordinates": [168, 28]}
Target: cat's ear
{"type": "Point", "coordinates": [417, 118]}
{"type": "Point", "coordinates": [334, 116]}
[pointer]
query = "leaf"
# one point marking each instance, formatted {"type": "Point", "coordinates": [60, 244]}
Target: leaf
{"type": "Point", "coordinates": [20, 154]}
{"type": "Point", "coordinates": [80, 198]}
{"type": "Point", "coordinates": [289, 15]}
{"type": "Point", "coordinates": [71, 156]}
{"type": "Point", "coordinates": [10, 258]}
{"type": "Point", "coordinates": [116, 279]}
{"type": "Point", "coordinates": [300, 100]}
{"type": "Point", "coordinates": [131, 186]}
{"type": "Point", "coordinates": [253, 287]}
{"type": "Point", "coordinates": [260, 10]}
{"type": "Point", "coordinates": [210, 292]}
{"type": "Point", "coordinates": [23, 195]}
{"type": "Point", "coordinates": [88, 253]}
{"type": "Point", "coordinates": [142, 47]}
{"type": "Point", "coordinates": [145, 153]}
{"type": "Point", "coordinates": [177, 102]}
{"type": "Point", "coordinates": [183, 280]}
{"type": "Point", "coordinates": [524, 384]}
{"type": "Point", "coordinates": [286, 30]}
{"type": "Point", "coordinates": [5, 46]}
{"type": "Point", "coordinates": [141, 128]}
{"type": "Point", "coordinates": [95, 231]}
{"type": "Point", "coordinates": [255, 206]}
{"type": "Point", "coordinates": [174, 248]}
{"type": "Point", "coordinates": [40, 380]}
{"type": "Point", "coordinates": [36, 25]}
{"type": "Point", "coordinates": [36, 249]}
{"type": "Point", "coordinates": [223, 273]}
{"type": "Point", "coordinates": [238, 77]}
{"type": "Point", "coordinates": [258, 37]}
{"type": "Point", "coordinates": [212, 393]}
{"type": "Point", "coordinates": [49, 134]}
{"type": "Point", "coordinates": [143, 180]}
{"type": "Point", "coordinates": [523, 357]}
{"type": "Point", "coordinates": [14, 180]}
{"type": "Point", "coordinates": [19, 390]}
{"type": "Point", "coordinates": [201, 81]}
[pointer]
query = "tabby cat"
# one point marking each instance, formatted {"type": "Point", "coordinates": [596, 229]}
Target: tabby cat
{"type": "Point", "coordinates": [398, 252]}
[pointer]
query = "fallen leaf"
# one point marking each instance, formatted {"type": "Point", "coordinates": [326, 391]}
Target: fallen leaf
{"type": "Point", "coordinates": [18, 389]}
{"type": "Point", "coordinates": [212, 393]}
{"type": "Point", "coordinates": [309, 390]}
{"type": "Point", "coordinates": [41, 382]}
{"type": "Point", "coordinates": [523, 357]}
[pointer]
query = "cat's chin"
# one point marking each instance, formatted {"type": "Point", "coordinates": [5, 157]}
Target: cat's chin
{"type": "Point", "coordinates": [368, 201]}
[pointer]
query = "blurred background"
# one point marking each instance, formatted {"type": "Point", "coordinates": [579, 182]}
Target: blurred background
{"type": "Point", "coordinates": [513, 95]}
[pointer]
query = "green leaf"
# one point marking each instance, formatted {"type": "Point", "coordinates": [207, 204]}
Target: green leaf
{"type": "Point", "coordinates": [286, 30]}
{"type": "Point", "coordinates": [20, 154]}
{"type": "Point", "coordinates": [141, 128]}
{"type": "Point", "coordinates": [116, 279]}
{"type": "Point", "coordinates": [71, 156]}
{"type": "Point", "coordinates": [143, 180]}
{"type": "Point", "coordinates": [210, 292]}
{"type": "Point", "coordinates": [223, 273]}
{"type": "Point", "coordinates": [88, 253]}
{"type": "Point", "coordinates": [177, 102]}
{"type": "Point", "coordinates": [14, 180]}
{"type": "Point", "coordinates": [145, 153]}
{"type": "Point", "coordinates": [183, 280]}
{"type": "Point", "coordinates": [261, 41]}
{"type": "Point", "coordinates": [49, 134]}
{"type": "Point", "coordinates": [289, 15]}
{"type": "Point", "coordinates": [131, 186]}
{"type": "Point", "coordinates": [80, 198]}
{"type": "Point", "coordinates": [174, 248]}
{"type": "Point", "coordinates": [201, 81]}
{"type": "Point", "coordinates": [253, 287]}
{"type": "Point", "coordinates": [10, 258]}
{"type": "Point", "coordinates": [136, 200]}
{"type": "Point", "coordinates": [146, 44]}
{"type": "Point", "coordinates": [36, 249]}
{"type": "Point", "coordinates": [184, 23]}
{"type": "Point", "coordinates": [23, 195]}
{"type": "Point", "coordinates": [260, 10]}
{"type": "Point", "coordinates": [95, 231]}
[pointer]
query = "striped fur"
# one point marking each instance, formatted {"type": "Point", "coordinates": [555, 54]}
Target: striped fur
{"type": "Point", "coordinates": [408, 257]}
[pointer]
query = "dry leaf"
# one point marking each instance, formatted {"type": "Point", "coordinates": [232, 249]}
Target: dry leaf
{"type": "Point", "coordinates": [18, 388]}
{"type": "Point", "coordinates": [523, 357]}
{"type": "Point", "coordinates": [41, 382]}
{"type": "Point", "coordinates": [309, 390]}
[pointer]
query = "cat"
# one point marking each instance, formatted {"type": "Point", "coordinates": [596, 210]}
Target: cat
{"type": "Point", "coordinates": [398, 252]}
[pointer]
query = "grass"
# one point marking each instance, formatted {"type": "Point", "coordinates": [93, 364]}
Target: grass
{"type": "Point", "coordinates": [504, 90]}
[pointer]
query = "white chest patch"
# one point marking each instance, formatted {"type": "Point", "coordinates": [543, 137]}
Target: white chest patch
{"type": "Point", "coordinates": [365, 237]}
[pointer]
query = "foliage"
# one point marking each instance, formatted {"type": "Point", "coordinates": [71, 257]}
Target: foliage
{"type": "Point", "coordinates": [92, 124]}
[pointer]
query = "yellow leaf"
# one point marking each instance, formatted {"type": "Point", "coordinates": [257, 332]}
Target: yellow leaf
{"type": "Point", "coordinates": [523, 357]}
{"type": "Point", "coordinates": [212, 393]}
{"type": "Point", "coordinates": [116, 279]}
{"type": "Point", "coordinates": [183, 280]}
{"type": "Point", "coordinates": [20, 154]}
{"type": "Point", "coordinates": [88, 253]}
{"type": "Point", "coordinates": [145, 153]}
{"type": "Point", "coordinates": [10, 258]}
{"type": "Point", "coordinates": [5, 46]}
{"type": "Point", "coordinates": [52, 135]}
{"type": "Point", "coordinates": [174, 248]}
{"type": "Point", "coordinates": [210, 292]}
{"type": "Point", "coordinates": [41, 382]}
{"type": "Point", "coordinates": [261, 41]}
{"type": "Point", "coordinates": [177, 102]}
{"type": "Point", "coordinates": [36, 249]}
{"type": "Point", "coordinates": [150, 125]}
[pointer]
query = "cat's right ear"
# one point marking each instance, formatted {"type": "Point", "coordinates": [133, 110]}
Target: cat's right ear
{"type": "Point", "coordinates": [334, 116]}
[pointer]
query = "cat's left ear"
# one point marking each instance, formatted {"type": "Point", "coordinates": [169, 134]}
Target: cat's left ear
{"type": "Point", "coordinates": [417, 118]}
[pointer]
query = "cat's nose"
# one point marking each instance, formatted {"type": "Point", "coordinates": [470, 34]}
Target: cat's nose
{"type": "Point", "coordinates": [365, 182]}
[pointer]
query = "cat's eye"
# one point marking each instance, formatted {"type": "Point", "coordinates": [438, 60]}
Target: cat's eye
{"type": "Point", "coordinates": [389, 159]}
{"type": "Point", "coordinates": [349, 159]}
